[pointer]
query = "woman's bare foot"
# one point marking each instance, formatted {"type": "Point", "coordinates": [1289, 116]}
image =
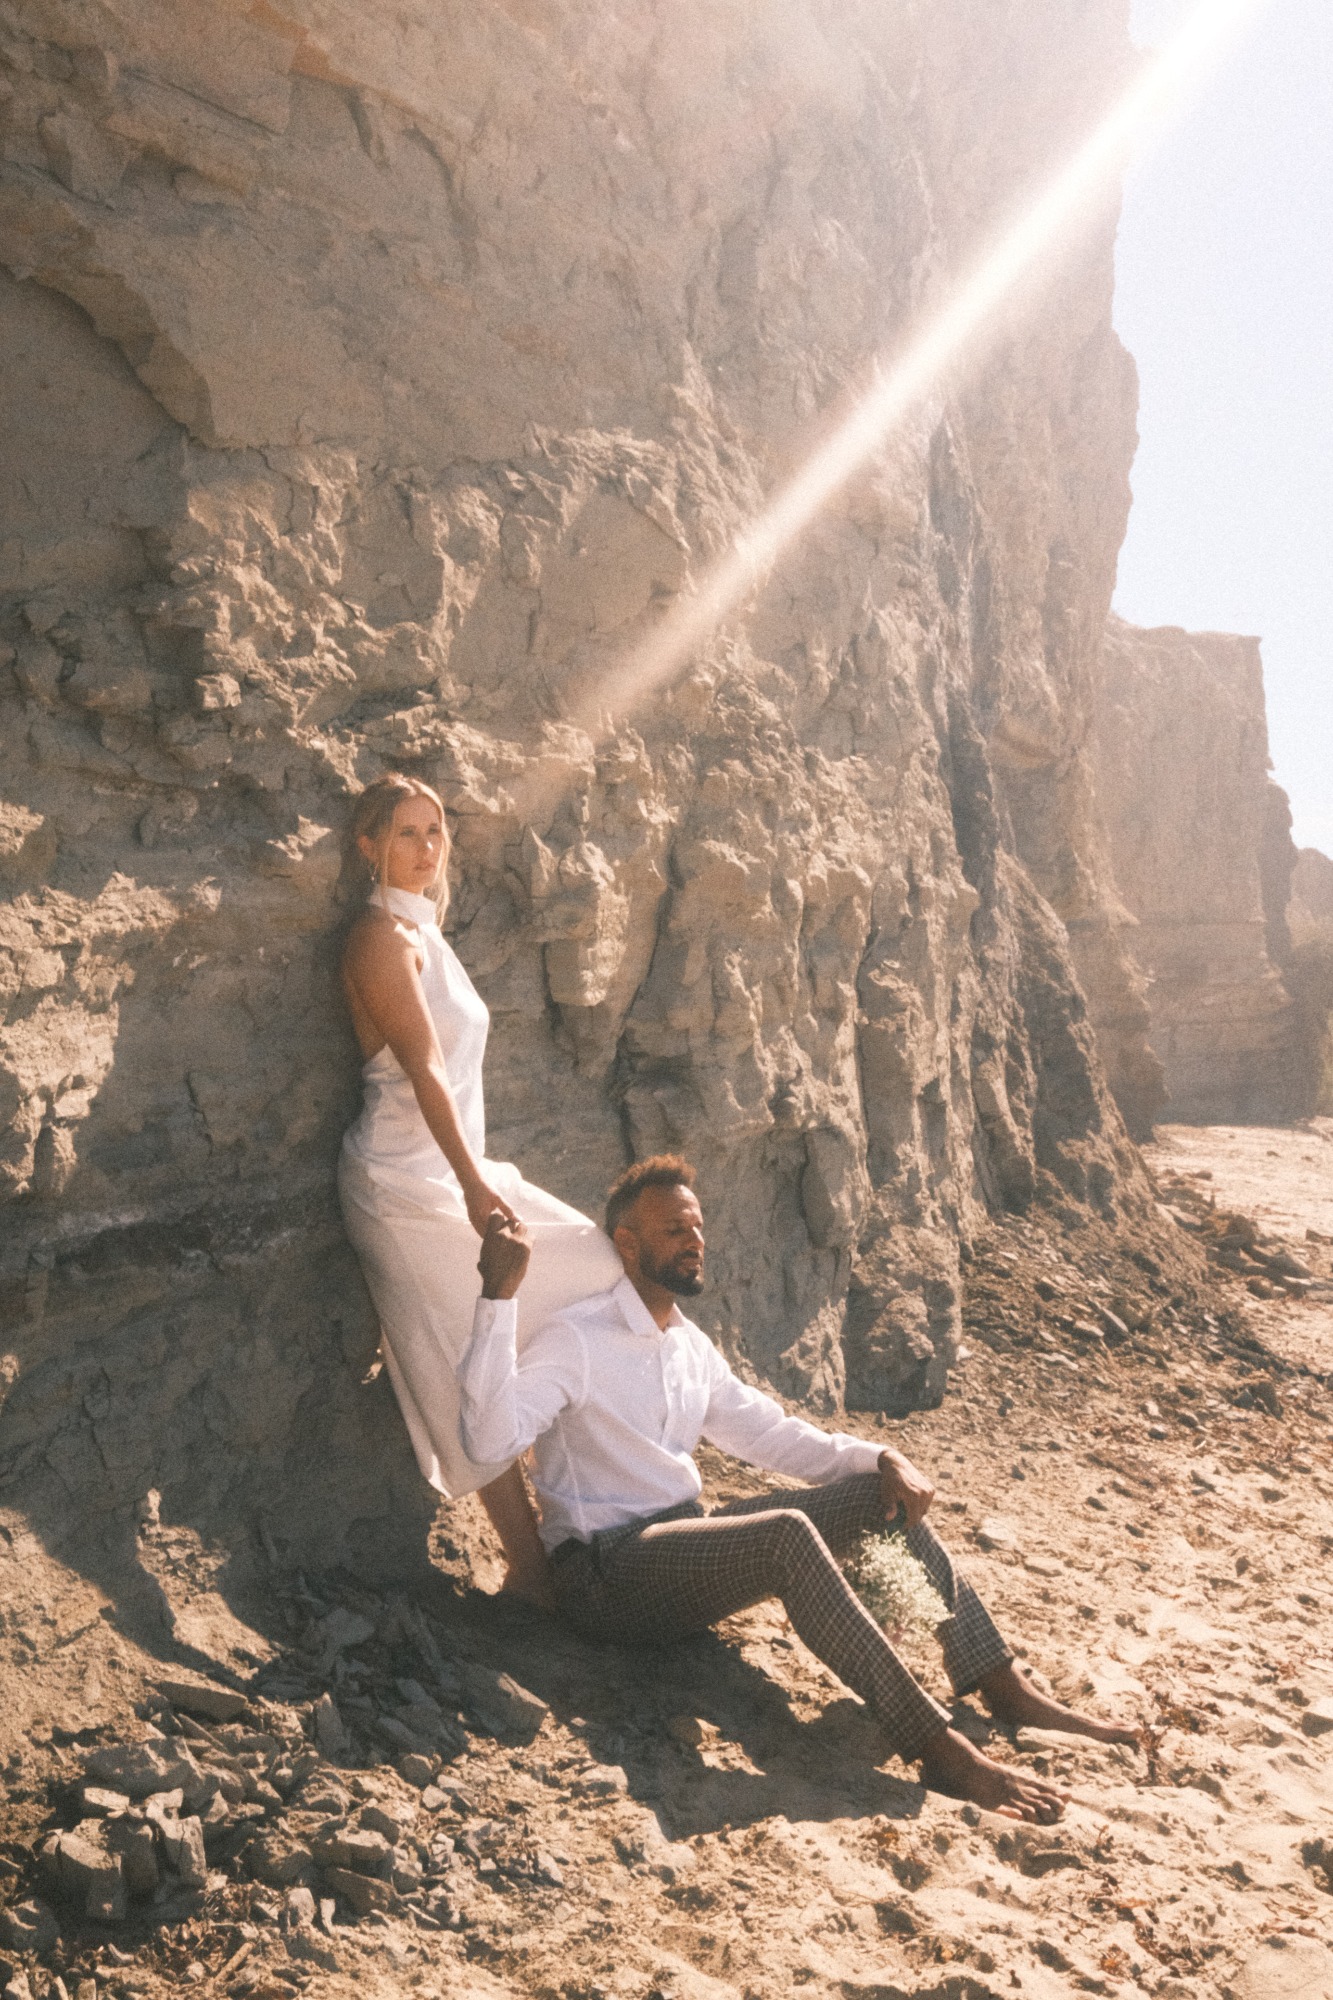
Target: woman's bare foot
{"type": "Point", "coordinates": [532, 1585]}
{"type": "Point", "coordinates": [950, 1764]}
{"type": "Point", "coordinates": [1011, 1698]}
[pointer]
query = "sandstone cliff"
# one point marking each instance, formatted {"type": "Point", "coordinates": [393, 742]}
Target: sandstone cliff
{"type": "Point", "coordinates": [1309, 970]}
{"type": "Point", "coordinates": [1200, 842]}
{"type": "Point", "coordinates": [371, 378]}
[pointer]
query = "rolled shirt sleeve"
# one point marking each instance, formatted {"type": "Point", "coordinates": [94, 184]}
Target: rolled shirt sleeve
{"type": "Point", "coordinates": [507, 1403]}
{"type": "Point", "coordinates": [752, 1426]}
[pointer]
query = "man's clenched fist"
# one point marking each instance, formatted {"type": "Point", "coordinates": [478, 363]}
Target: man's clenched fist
{"type": "Point", "coordinates": [505, 1250]}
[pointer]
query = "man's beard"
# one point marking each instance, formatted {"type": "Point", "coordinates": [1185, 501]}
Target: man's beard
{"type": "Point", "coordinates": [685, 1280]}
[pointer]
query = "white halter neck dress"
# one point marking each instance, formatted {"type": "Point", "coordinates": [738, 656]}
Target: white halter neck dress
{"type": "Point", "coordinates": [406, 1217]}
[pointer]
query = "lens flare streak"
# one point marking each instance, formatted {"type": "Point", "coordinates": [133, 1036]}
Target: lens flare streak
{"type": "Point", "coordinates": [901, 389]}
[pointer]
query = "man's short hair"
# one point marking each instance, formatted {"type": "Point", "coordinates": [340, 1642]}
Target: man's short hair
{"type": "Point", "coordinates": [664, 1170]}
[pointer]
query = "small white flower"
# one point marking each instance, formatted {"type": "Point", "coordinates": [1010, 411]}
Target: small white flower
{"type": "Point", "coordinates": [895, 1589]}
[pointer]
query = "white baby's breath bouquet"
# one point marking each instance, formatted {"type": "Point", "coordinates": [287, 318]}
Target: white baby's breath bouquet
{"type": "Point", "coordinates": [895, 1589]}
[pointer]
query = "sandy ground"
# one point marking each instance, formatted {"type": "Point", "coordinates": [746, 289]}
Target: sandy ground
{"type": "Point", "coordinates": [1152, 1522]}
{"type": "Point", "coordinates": [1283, 1178]}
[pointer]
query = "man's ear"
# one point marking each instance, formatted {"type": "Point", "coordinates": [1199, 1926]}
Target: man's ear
{"type": "Point", "coordinates": [627, 1243]}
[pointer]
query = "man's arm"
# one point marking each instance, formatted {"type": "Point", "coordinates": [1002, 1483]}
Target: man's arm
{"type": "Point", "coordinates": [752, 1426]}
{"type": "Point", "coordinates": [506, 1403]}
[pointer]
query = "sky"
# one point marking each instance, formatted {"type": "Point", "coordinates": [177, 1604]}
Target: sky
{"type": "Point", "coordinates": [1224, 296]}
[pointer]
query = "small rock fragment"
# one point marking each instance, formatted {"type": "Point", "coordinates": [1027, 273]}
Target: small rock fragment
{"type": "Point", "coordinates": [29, 1926]}
{"type": "Point", "coordinates": [133, 1841]}
{"type": "Point", "coordinates": [140, 1769]}
{"type": "Point", "coordinates": [86, 1871]}
{"type": "Point", "coordinates": [300, 1906]}
{"type": "Point", "coordinates": [600, 1781]}
{"type": "Point", "coordinates": [392, 1820]}
{"type": "Point", "coordinates": [1114, 1329]}
{"type": "Point", "coordinates": [364, 1851]}
{"type": "Point", "coordinates": [216, 691]}
{"type": "Point", "coordinates": [363, 1892]}
{"type": "Point", "coordinates": [417, 1770]}
{"type": "Point", "coordinates": [98, 1802]}
{"type": "Point", "coordinates": [1318, 1718]}
{"type": "Point", "coordinates": [341, 1629]}
{"type": "Point", "coordinates": [206, 1698]}
{"type": "Point", "coordinates": [183, 1844]}
{"type": "Point", "coordinates": [1046, 1860]}
{"type": "Point", "coordinates": [277, 1859]}
{"type": "Point", "coordinates": [330, 1730]}
{"type": "Point", "coordinates": [501, 1706]}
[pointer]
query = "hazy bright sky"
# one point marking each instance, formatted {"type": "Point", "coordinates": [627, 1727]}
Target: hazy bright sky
{"type": "Point", "coordinates": [1225, 298]}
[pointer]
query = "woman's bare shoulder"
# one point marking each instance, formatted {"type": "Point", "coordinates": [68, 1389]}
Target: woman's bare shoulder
{"type": "Point", "coordinates": [376, 938]}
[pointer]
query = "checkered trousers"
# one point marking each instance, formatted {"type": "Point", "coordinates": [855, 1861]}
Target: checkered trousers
{"type": "Point", "coordinates": [656, 1581]}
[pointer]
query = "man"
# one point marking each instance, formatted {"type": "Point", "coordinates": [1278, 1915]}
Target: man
{"type": "Point", "coordinates": [615, 1393]}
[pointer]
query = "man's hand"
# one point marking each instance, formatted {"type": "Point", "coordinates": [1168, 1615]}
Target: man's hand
{"type": "Point", "coordinates": [505, 1250]}
{"type": "Point", "coordinates": [903, 1486]}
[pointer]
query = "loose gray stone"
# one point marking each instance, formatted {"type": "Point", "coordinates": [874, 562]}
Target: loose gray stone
{"type": "Point", "coordinates": [85, 1871]}
{"type": "Point", "coordinates": [500, 1706]}
{"type": "Point", "coordinates": [330, 1730]}
{"type": "Point", "coordinates": [29, 1926]}
{"type": "Point", "coordinates": [600, 1781]}
{"type": "Point", "coordinates": [366, 1852]}
{"type": "Point", "coordinates": [140, 1769]}
{"type": "Point", "coordinates": [133, 1841]}
{"type": "Point", "coordinates": [417, 1770]}
{"type": "Point", "coordinates": [363, 1892]}
{"type": "Point", "coordinates": [206, 1698]}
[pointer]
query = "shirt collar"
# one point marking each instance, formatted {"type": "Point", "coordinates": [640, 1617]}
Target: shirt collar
{"type": "Point", "coordinates": [405, 903]}
{"type": "Point", "coordinates": [636, 1314]}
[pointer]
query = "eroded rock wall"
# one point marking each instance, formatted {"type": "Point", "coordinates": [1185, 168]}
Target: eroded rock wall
{"type": "Point", "coordinates": [373, 378]}
{"type": "Point", "coordinates": [1200, 841]}
{"type": "Point", "coordinates": [1308, 971]}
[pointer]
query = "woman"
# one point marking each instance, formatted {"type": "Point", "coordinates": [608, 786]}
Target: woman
{"type": "Point", "coordinates": [416, 1186]}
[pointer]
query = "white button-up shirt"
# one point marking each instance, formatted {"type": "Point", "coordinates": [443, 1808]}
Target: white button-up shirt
{"type": "Point", "coordinates": [615, 1406]}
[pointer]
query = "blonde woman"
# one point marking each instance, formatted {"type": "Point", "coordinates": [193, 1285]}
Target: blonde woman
{"type": "Point", "coordinates": [416, 1186]}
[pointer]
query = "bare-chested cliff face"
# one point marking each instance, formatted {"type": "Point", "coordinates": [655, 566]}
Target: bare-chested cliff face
{"type": "Point", "coordinates": [371, 379]}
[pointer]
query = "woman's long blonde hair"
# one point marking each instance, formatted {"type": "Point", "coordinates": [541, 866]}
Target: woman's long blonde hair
{"type": "Point", "coordinates": [372, 818]}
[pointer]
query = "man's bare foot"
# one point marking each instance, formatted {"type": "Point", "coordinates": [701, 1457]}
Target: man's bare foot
{"type": "Point", "coordinates": [1011, 1698]}
{"type": "Point", "coordinates": [533, 1586]}
{"type": "Point", "coordinates": [950, 1764]}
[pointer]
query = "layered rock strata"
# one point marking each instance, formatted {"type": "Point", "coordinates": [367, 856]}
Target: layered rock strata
{"type": "Point", "coordinates": [1200, 844]}
{"type": "Point", "coordinates": [374, 377]}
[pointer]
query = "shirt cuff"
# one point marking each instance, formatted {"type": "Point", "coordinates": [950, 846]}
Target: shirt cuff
{"type": "Point", "coordinates": [858, 1454]}
{"type": "Point", "coordinates": [492, 1317]}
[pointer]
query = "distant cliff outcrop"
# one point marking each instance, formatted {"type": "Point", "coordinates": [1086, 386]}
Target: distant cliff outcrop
{"type": "Point", "coordinates": [1200, 844]}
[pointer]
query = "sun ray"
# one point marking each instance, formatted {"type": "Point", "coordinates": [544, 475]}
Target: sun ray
{"type": "Point", "coordinates": [937, 348]}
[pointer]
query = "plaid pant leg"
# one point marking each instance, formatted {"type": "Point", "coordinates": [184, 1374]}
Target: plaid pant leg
{"type": "Point", "coordinates": [973, 1645]}
{"type": "Point", "coordinates": [682, 1576]}
{"type": "Point", "coordinates": [846, 1510]}
{"type": "Point", "coordinates": [843, 1511]}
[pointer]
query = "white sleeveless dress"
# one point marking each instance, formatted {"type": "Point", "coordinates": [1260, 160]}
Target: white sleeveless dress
{"type": "Point", "coordinates": [407, 1220]}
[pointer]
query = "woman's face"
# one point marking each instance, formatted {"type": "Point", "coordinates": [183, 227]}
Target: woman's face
{"type": "Point", "coordinates": [411, 855]}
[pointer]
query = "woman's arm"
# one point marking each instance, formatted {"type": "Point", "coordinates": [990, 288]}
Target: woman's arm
{"type": "Point", "coordinates": [384, 987]}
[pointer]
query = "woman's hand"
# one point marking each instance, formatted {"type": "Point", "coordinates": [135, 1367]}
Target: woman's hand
{"type": "Point", "coordinates": [483, 1202]}
{"type": "Point", "coordinates": [903, 1486]}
